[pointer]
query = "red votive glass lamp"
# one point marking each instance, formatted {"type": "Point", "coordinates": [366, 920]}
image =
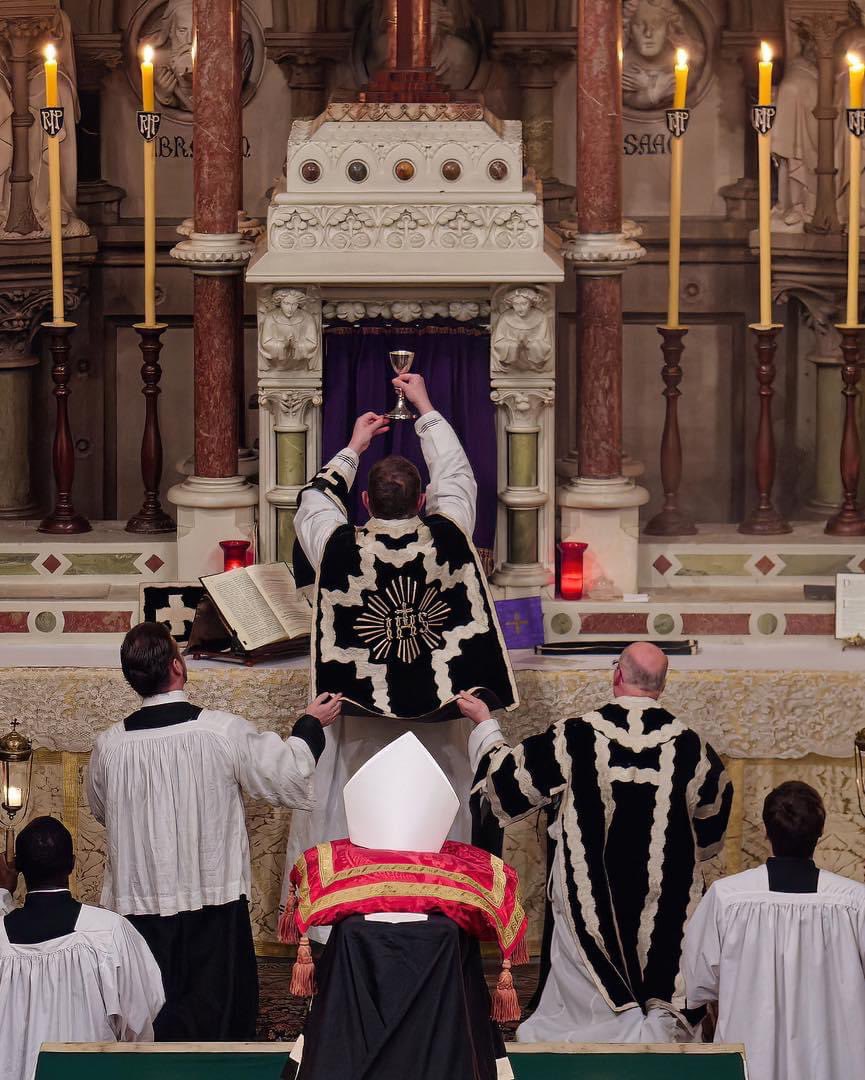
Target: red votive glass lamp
{"type": "Point", "coordinates": [571, 570]}
{"type": "Point", "coordinates": [233, 553]}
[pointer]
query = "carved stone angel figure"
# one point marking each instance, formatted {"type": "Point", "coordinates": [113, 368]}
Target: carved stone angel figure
{"type": "Point", "coordinates": [652, 31]}
{"type": "Point", "coordinates": [289, 335]}
{"type": "Point", "coordinates": [523, 338]}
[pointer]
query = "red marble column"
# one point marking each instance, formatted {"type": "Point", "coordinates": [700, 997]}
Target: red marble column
{"type": "Point", "coordinates": [599, 203]}
{"type": "Point", "coordinates": [600, 364]}
{"type": "Point", "coordinates": [217, 165]}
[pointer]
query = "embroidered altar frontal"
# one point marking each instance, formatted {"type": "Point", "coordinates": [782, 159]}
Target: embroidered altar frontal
{"type": "Point", "coordinates": [403, 613]}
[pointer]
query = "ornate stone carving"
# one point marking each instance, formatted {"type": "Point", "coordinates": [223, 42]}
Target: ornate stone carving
{"type": "Point", "coordinates": [98, 55]}
{"type": "Point", "coordinates": [167, 26]}
{"type": "Point", "coordinates": [405, 311]}
{"type": "Point", "coordinates": [652, 30]}
{"type": "Point", "coordinates": [599, 253]}
{"type": "Point", "coordinates": [22, 308]}
{"type": "Point", "coordinates": [523, 406]}
{"type": "Point", "coordinates": [214, 253]}
{"type": "Point", "coordinates": [522, 331]}
{"type": "Point", "coordinates": [443, 228]}
{"type": "Point", "coordinates": [289, 407]}
{"type": "Point", "coordinates": [289, 331]}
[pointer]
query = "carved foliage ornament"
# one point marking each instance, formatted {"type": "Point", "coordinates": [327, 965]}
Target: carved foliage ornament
{"type": "Point", "coordinates": [289, 406]}
{"type": "Point", "coordinates": [405, 311]}
{"type": "Point", "coordinates": [357, 228]}
{"type": "Point", "coordinates": [523, 406]}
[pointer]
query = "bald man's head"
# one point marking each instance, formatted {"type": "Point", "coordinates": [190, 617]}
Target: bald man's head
{"type": "Point", "coordinates": [641, 671]}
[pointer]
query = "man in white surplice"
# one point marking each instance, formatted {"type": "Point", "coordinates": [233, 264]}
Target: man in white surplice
{"type": "Point", "coordinates": [350, 741]}
{"type": "Point", "coordinates": [168, 783]}
{"type": "Point", "coordinates": [781, 949]}
{"type": "Point", "coordinates": [69, 972]}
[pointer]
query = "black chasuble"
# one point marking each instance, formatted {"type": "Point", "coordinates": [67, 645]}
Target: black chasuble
{"type": "Point", "coordinates": [403, 619]}
{"type": "Point", "coordinates": [642, 801]}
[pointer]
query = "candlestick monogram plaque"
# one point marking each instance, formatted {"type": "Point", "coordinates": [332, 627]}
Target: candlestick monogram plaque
{"type": "Point", "coordinates": [401, 361]}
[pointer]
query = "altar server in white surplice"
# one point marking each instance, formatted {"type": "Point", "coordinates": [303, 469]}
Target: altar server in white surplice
{"type": "Point", "coordinates": [781, 949]}
{"type": "Point", "coordinates": [168, 782]}
{"type": "Point", "coordinates": [68, 972]}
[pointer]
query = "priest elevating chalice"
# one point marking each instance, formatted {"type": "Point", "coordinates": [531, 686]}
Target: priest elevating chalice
{"type": "Point", "coordinates": [401, 361]}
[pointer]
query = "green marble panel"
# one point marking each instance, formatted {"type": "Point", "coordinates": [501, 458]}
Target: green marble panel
{"type": "Point", "coordinates": [17, 562]}
{"type": "Point", "coordinates": [709, 565]}
{"type": "Point", "coordinates": [522, 536]}
{"type": "Point", "coordinates": [103, 562]}
{"type": "Point", "coordinates": [284, 534]}
{"type": "Point", "coordinates": [290, 458]}
{"type": "Point", "coordinates": [663, 624]}
{"type": "Point", "coordinates": [523, 459]}
{"type": "Point", "coordinates": [815, 564]}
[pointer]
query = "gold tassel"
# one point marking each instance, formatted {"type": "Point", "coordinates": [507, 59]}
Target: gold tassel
{"type": "Point", "coordinates": [506, 1004]}
{"type": "Point", "coordinates": [303, 972]}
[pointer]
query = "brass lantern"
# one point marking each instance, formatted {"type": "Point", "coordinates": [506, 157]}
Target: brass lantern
{"type": "Point", "coordinates": [16, 764]}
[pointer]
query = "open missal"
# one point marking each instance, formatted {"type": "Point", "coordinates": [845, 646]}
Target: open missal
{"type": "Point", "coordinates": [257, 615]}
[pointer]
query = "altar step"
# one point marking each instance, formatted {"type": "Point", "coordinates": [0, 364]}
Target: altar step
{"type": "Point", "coordinates": [84, 588]}
{"type": "Point", "coordinates": [722, 558]}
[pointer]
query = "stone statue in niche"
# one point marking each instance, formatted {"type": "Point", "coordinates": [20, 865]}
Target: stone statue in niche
{"type": "Point", "coordinates": [167, 26]}
{"type": "Point", "coordinates": [289, 335]}
{"type": "Point", "coordinates": [795, 133]}
{"type": "Point", "coordinates": [37, 141]}
{"type": "Point", "coordinates": [652, 31]}
{"type": "Point", "coordinates": [457, 41]}
{"type": "Point", "coordinates": [522, 337]}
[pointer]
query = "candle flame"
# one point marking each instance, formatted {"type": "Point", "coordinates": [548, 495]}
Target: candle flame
{"type": "Point", "coordinates": [854, 60]}
{"type": "Point", "coordinates": [147, 54]}
{"type": "Point", "coordinates": [50, 52]}
{"type": "Point", "coordinates": [766, 52]}
{"type": "Point", "coordinates": [681, 58]}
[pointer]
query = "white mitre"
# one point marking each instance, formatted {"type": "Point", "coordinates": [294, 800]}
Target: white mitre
{"type": "Point", "coordinates": [400, 800]}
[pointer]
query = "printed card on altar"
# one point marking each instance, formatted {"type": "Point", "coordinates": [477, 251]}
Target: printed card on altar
{"type": "Point", "coordinates": [849, 606]}
{"type": "Point", "coordinates": [522, 622]}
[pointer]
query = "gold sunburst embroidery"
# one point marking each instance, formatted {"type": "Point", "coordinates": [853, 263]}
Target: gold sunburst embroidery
{"type": "Point", "coordinates": [396, 624]}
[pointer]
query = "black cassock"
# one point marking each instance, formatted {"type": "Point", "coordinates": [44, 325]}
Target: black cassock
{"type": "Point", "coordinates": [400, 1001]}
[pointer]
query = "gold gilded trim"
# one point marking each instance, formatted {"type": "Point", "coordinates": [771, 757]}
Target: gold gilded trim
{"type": "Point", "coordinates": [328, 875]}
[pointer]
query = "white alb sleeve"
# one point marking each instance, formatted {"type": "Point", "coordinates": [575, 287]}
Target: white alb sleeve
{"type": "Point", "coordinates": [486, 735]}
{"type": "Point", "coordinates": [701, 951]}
{"type": "Point", "coordinates": [318, 515]}
{"type": "Point", "coordinates": [140, 992]}
{"type": "Point", "coordinates": [452, 490]}
{"type": "Point", "coordinates": [271, 768]}
{"type": "Point", "coordinates": [94, 785]}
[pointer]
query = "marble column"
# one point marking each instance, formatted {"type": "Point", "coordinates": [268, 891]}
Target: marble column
{"type": "Point", "coordinates": [600, 505]}
{"type": "Point", "coordinates": [215, 503]}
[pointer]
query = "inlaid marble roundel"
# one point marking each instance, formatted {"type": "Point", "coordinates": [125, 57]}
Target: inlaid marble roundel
{"type": "Point", "coordinates": [451, 169]}
{"type": "Point", "coordinates": [310, 171]}
{"type": "Point", "coordinates": [167, 26]}
{"type": "Point", "coordinates": [404, 169]}
{"type": "Point", "coordinates": [357, 171]}
{"type": "Point", "coordinates": [498, 169]}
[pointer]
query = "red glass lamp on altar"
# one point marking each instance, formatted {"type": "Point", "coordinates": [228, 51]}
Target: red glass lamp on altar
{"type": "Point", "coordinates": [234, 553]}
{"type": "Point", "coordinates": [16, 764]}
{"type": "Point", "coordinates": [571, 569]}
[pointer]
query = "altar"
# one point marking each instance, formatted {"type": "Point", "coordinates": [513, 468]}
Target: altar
{"type": "Point", "coordinates": [774, 712]}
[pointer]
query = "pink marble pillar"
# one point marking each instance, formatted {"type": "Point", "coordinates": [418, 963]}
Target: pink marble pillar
{"type": "Point", "coordinates": [217, 165]}
{"type": "Point", "coordinates": [599, 211]}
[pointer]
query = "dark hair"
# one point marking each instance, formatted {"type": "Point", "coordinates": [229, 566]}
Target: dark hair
{"type": "Point", "coordinates": [146, 655]}
{"type": "Point", "coordinates": [394, 488]}
{"type": "Point", "coordinates": [794, 816]}
{"type": "Point", "coordinates": [43, 852]}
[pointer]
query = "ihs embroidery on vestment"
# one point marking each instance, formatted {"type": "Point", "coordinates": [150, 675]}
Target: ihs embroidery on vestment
{"type": "Point", "coordinates": [395, 624]}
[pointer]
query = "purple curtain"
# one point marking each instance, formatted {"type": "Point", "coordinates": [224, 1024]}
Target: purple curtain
{"type": "Point", "coordinates": [453, 359]}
